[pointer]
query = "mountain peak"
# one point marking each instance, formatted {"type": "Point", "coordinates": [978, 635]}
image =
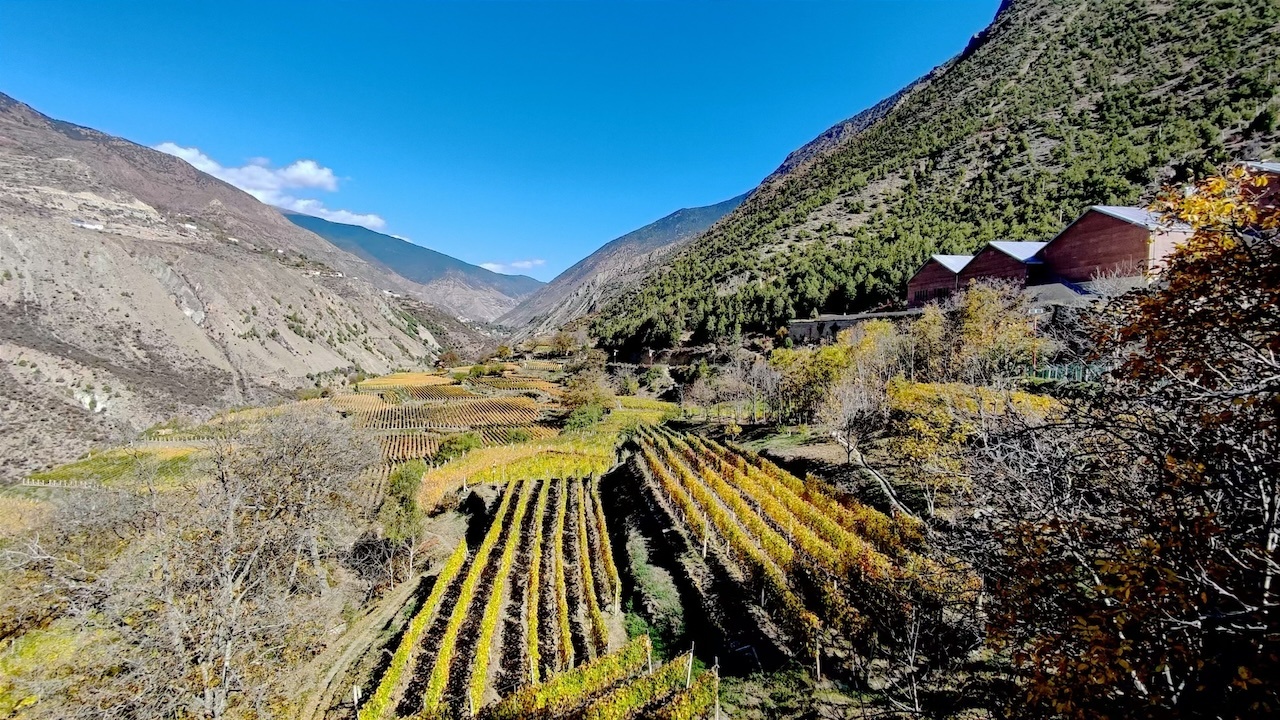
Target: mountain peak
{"type": "Point", "coordinates": [465, 289]}
{"type": "Point", "coordinates": [604, 273]}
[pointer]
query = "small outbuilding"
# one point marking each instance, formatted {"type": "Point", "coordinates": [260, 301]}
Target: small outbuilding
{"type": "Point", "coordinates": [937, 278]}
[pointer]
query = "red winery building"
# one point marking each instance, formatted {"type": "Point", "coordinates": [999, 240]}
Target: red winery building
{"type": "Point", "coordinates": [1104, 241]}
{"type": "Point", "coordinates": [939, 277]}
{"type": "Point", "coordinates": [1108, 240]}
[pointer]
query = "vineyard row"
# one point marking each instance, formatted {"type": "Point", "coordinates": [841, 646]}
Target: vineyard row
{"type": "Point", "coordinates": [447, 662]}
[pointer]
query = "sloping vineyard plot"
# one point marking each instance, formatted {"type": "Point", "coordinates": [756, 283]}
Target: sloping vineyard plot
{"type": "Point", "coordinates": [798, 548]}
{"type": "Point", "coordinates": [423, 444]}
{"type": "Point", "coordinates": [462, 414]}
{"type": "Point", "coordinates": [436, 392]}
{"type": "Point", "coordinates": [399, 447]}
{"type": "Point", "coordinates": [356, 403]}
{"type": "Point", "coordinates": [518, 383]}
{"type": "Point", "coordinates": [404, 379]}
{"type": "Point", "coordinates": [525, 599]}
{"type": "Point", "coordinates": [618, 686]}
{"type": "Point", "coordinates": [513, 433]}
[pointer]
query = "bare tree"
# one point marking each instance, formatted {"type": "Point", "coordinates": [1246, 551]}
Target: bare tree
{"type": "Point", "coordinates": [701, 393]}
{"type": "Point", "coordinates": [215, 585]}
{"type": "Point", "coordinates": [764, 382]}
{"type": "Point", "coordinates": [857, 410]}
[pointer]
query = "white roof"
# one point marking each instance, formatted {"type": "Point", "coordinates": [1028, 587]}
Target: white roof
{"type": "Point", "coordinates": [1020, 251]}
{"type": "Point", "coordinates": [954, 263]}
{"type": "Point", "coordinates": [1139, 216]}
{"type": "Point", "coordinates": [1271, 167]}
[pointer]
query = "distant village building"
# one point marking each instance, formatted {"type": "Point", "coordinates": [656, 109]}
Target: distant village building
{"type": "Point", "coordinates": [1106, 243]}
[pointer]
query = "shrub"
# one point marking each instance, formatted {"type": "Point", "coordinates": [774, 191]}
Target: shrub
{"type": "Point", "coordinates": [456, 446]}
{"type": "Point", "coordinates": [517, 435]}
{"type": "Point", "coordinates": [584, 417]}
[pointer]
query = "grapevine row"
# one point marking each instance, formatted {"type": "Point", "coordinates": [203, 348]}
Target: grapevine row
{"type": "Point", "coordinates": [564, 642]}
{"type": "Point", "coordinates": [773, 544]}
{"type": "Point", "coordinates": [694, 701]}
{"type": "Point", "coordinates": [489, 622]}
{"type": "Point", "coordinates": [564, 690]}
{"type": "Point", "coordinates": [448, 644]}
{"type": "Point", "coordinates": [699, 507]}
{"type": "Point", "coordinates": [533, 590]}
{"type": "Point", "coordinates": [605, 546]}
{"type": "Point", "coordinates": [599, 634]}
{"type": "Point", "coordinates": [879, 547]}
{"type": "Point", "coordinates": [376, 707]}
{"type": "Point", "coordinates": [518, 384]}
{"type": "Point", "coordinates": [886, 532]}
{"type": "Point", "coordinates": [438, 392]}
{"type": "Point", "coordinates": [461, 414]}
{"type": "Point", "coordinates": [628, 700]}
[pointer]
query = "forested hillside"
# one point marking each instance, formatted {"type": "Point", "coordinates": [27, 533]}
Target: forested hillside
{"type": "Point", "coordinates": [1058, 105]}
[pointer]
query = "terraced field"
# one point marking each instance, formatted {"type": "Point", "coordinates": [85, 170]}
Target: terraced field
{"type": "Point", "coordinates": [161, 462]}
{"type": "Point", "coordinates": [517, 383]}
{"type": "Point", "coordinates": [483, 644]}
{"type": "Point", "coordinates": [462, 414]}
{"type": "Point", "coordinates": [823, 569]}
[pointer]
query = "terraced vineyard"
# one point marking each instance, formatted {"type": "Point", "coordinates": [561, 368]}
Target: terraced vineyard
{"type": "Point", "coordinates": [399, 447]}
{"type": "Point", "coordinates": [463, 414]}
{"type": "Point", "coordinates": [518, 383]}
{"type": "Point", "coordinates": [432, 392]}
{"type": "Point", "coordinates": [403, 380]}
{"type": "Point", "coordinates": [822, 569]}
{"type": "Point", "coordinates": [481, 636]}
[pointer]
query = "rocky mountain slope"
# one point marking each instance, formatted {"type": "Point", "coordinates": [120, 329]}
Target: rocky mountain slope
{"type": "Point", "coordinates": [134, 288]}
{"type": "Point", "coordinates": [607, 272]}
{"type": "Point", "coordinates": [448, 283]}
{"type": "Point", "coordinates": [1058, 105]}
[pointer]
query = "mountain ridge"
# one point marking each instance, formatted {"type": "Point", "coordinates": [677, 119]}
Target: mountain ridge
{"type": "Point", "coordinates": [609, 269]}
{"type": "Point", "coordinates": [452, 284]}
{"type": "Point", "coordinates": [135, 288]}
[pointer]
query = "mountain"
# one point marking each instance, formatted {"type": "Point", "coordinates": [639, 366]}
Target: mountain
{"type": "Point", "coordinates": [605, 273]}
{"type": "Point", "coordinates": [135, 288]}
{"type": "Point", "coordinates": [451, 284]}
{"type": "Point", "coordinates": [1058, 105]}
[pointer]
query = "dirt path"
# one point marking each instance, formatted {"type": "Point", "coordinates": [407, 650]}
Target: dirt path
{"type": "Point", "coordinates": [322, 674]}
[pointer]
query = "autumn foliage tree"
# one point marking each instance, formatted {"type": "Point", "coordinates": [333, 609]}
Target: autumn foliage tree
{"type": "Point", "coordinates": [1135, 566]}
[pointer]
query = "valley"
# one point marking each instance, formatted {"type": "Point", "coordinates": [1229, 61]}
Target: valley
{"type": "Point", "coordinates": [966, 411]}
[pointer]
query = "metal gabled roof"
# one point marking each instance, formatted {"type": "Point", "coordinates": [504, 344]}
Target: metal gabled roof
{"type": "Point", "coordinates": [1020, 251]}
{"type": "Point", "coordinates": [1270, 167]}
{"type": "Point", "coordinates": [1141, 217]}
{"type": "Point", "coordinates": [954, 263]}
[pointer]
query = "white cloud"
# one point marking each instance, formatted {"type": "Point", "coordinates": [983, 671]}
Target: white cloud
{"type": "Point", "coordinates": [272, 185]}
{"type": "Point", "coordinates": [513, 267]}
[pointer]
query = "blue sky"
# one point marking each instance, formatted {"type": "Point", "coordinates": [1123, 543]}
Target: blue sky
{"type": "Point", "coordinates": [520, 134]}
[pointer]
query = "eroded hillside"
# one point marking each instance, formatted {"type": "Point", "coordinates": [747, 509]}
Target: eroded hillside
{"type": "Point", "coordinates": [135, 287]}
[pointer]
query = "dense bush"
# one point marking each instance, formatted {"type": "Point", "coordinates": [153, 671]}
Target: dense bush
{"type": "Point", "coordinates": [456, 446]}
{"type": "Point", "coordinates": [584, 417]}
